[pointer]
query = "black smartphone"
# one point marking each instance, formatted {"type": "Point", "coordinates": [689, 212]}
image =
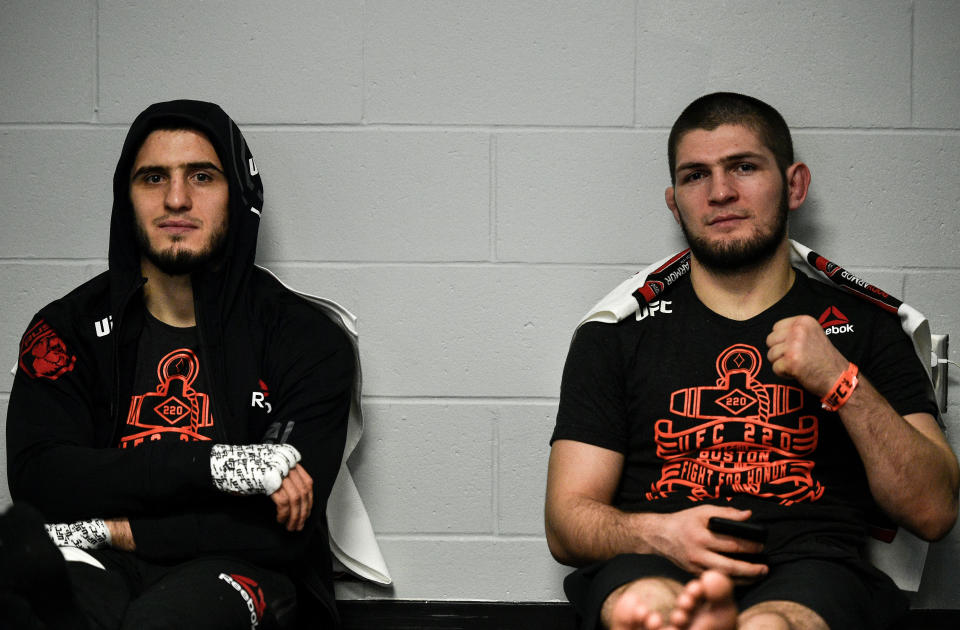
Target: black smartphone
{"type": "Point", "coordinates": [737, 529]}
{"type": "Point", "coordinates": [740, 529]}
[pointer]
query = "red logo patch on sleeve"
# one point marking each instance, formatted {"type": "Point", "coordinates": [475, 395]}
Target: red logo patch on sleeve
{"type": "Point", "coordinates": [43, 353]}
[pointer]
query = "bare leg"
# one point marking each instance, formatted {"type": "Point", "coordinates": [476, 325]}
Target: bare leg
{"type": "Point", "coordinates": [776, 615]}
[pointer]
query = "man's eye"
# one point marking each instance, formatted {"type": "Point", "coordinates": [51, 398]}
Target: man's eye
{"type": "Point", "coordinates": [746, 168]}
{"type": "Point", "coordinates": [693, 176]}
{"type": "Point", "coordinates": [203, 177]}
{"type": "Point", "coordinates": [152, 178]}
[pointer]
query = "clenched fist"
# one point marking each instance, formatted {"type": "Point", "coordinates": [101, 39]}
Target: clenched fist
{"type": "Point", "coordinates": [799, 349]}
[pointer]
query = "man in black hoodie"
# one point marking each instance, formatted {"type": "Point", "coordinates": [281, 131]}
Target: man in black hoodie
{"type": "Point", "coordinates": [179, 420]}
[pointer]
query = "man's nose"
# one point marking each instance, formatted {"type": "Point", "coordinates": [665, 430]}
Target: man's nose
{"type": "Point", "coordinates": [178, 198]}
{"type": "Point", "coordinates": [722, 188]}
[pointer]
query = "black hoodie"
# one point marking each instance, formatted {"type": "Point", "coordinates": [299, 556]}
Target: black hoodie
{"type": "Point", "coordinates": [258, 341]}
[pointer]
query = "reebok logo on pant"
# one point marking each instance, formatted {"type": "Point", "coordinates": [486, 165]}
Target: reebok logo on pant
{"type": "Point", "coordinates": [251, 593]}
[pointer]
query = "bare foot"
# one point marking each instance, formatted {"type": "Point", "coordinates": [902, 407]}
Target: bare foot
{"type": "Point", "coordinates": [705, 603]}
{"type": "Point", "coordinates": [640, 605]}
{"type": "Point", "coordinates": [631, 614]}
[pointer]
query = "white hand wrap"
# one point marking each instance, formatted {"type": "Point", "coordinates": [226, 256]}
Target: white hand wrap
{"type": "Point", "coordinates": [92, 534]}
{"type": "Point", "coordinates": [251, 468]}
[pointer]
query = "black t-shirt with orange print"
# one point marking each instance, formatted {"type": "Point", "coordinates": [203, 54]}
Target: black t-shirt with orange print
{"type": "Point", "coordinates": [691, 401]}
{"type": "Point", "coordinates": [171, 399]}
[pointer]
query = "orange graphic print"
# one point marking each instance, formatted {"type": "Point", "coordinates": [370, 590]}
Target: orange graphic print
{"type": "Point", "coordinates": [738, 436]}
{"type": "Point", "coordinates": [175, 409]}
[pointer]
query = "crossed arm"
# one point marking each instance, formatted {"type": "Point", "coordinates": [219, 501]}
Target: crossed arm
{"type": "Point", "coordinates": [164, 500]}
{"type": "Point", "coordinates": [294, 502]}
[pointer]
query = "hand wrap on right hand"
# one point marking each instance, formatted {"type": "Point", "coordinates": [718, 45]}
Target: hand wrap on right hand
{"type": "Point", "coordinates": [251, 468]}
{"type": "Point", "coordinates": [92, 534]}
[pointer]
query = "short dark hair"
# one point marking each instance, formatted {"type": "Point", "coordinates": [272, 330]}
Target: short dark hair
{"type": "Point", "coordinates": [729, 108]}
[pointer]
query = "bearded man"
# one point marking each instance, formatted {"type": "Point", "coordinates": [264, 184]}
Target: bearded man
{"type": "Point", "coordinates": [728, 426]}
{"type": "Point", "coordinates": [178, 421]}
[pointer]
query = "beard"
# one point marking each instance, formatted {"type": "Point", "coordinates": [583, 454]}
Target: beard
{"type": "Point", "coordinates": [744, 254]}
{"type": "Point", "coordinates": [175, 261]}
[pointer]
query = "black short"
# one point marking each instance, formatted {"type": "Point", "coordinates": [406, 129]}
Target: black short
{"type": "Point", "coordinates": [851, 596]}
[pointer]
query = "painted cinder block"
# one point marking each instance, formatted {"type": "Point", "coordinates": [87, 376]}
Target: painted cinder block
{"type": "Point", "coordinates": [57, 191]}
{"type": "Point", "coordinates": [48, 65]}
{"type": "Point", "coordinates": [523, 439]}
{"type": "Point", "coordinates": [821, 63]}
{"type": "Point", "coordinates": [471, 568]}
{"type": "Point", "coordinates": [937, 294]}
{"type": "Point", "coordinates": [936, 73]}
{"type": "Point", "coordinates": [487, 331]}
{"type": "Point", "coordinates": [884, 199]}
{"type": "Point", "coordinates": [585, 197]}
{"type": "Point", "coordinates": [500, 62]}
{"type": "Point", "coordinates": [374, 195]}
{"type": "Point", "coordinates": [426, 467]}
{"type": "Point", "coordinates": [299, 63]}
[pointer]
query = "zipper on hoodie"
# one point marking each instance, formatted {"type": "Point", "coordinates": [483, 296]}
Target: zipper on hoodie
{"type": "Point", "coordinates": [218, 417]}
{"type": "Point", "coordinates": [115, 399]}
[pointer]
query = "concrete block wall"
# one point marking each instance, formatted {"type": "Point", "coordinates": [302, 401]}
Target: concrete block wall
{"type": "Point", "coordinates": [468, 177]}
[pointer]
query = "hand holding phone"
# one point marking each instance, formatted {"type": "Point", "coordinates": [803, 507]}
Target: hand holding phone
{"type": "Point", "coordinates": [740, 529]}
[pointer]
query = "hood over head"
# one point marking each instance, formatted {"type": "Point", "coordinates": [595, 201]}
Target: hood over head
{"type": "Point", "coordinates": [245, 204]}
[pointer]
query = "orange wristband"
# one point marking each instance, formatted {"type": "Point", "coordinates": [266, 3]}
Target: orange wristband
{"type": "Point", "coordinates": [841, 391]}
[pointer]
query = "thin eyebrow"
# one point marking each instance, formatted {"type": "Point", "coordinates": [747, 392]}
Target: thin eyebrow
{"type": "Point", "coordinates": [724, 160]}
{"type": "Point", "coordinates": [190, 166]}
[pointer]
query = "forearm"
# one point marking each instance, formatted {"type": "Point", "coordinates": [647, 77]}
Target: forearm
{"type": "Point", "coordinates": [69, 483]}
{"type": "Point", "coordinates": [61, 461]}
{"type": "Point", "coordinates": [243, 527]}
{"type": "Point", "coordinates": [913, 476]}
{"type": "Point", "coordinates": [120, 535]}
{"type": "Point", "coordinates": [581, 530]}
{"type": "Point", "coordinates": [911, 469]}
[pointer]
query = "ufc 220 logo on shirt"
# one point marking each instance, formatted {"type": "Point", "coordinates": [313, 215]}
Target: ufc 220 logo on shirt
{"type": "Point", "coordinates": [174, 410]}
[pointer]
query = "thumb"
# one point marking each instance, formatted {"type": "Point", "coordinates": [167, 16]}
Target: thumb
{"type": "Point", "coordinates": [272, 480]}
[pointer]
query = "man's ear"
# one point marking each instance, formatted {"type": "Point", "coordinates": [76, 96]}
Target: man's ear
{"type": "Point", "coordinates": [671, 200]}
{"type": "Point", "coordinates": [798, 183]}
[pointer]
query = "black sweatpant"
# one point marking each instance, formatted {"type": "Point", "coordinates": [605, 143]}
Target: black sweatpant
{"type": "Point", "coordinates": [211, 593]}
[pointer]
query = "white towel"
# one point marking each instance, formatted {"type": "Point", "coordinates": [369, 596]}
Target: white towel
{"type": "Point", "coordinates": [352, 540]}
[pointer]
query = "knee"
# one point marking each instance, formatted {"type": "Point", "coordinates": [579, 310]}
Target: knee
{"type": "Point", "coordinates": [780, 615]}
{"type": "Point", "coordinates": [764, 621]}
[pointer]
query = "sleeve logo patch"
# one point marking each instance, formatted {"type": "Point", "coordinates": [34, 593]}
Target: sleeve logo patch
{"type": "Point", "coordinates": [43, 353]}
